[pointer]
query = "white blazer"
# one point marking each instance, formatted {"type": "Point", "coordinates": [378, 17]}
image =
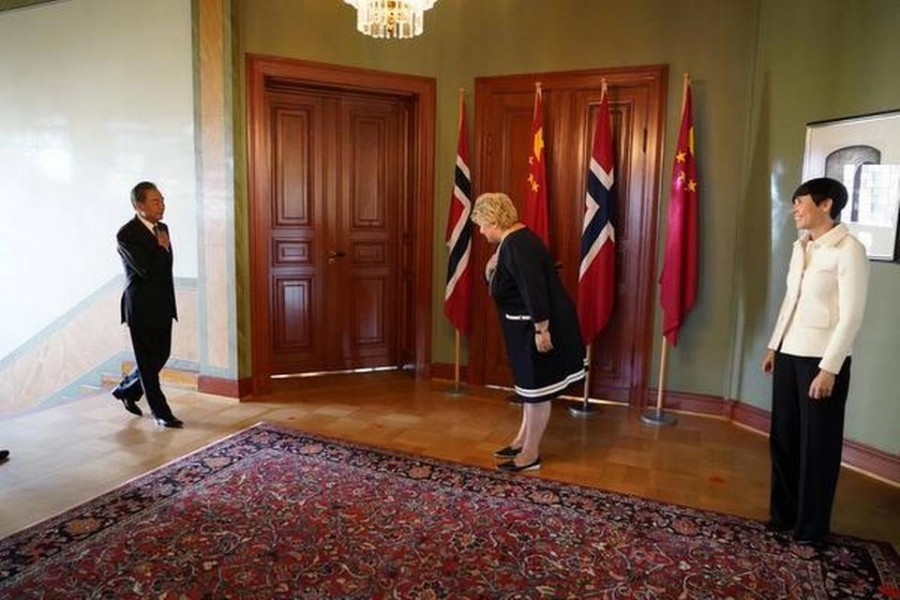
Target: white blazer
{"type": "Point", "coordinates": [825, 299]}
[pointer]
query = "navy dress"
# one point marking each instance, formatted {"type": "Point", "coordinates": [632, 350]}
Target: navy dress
{"type": "Point", "coordinates": [527, 290]}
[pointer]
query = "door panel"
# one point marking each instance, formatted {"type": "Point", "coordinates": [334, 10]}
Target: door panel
{"type": "Point", "coordinates": [333, 230]}
{"type": "Point", "coordinates": [369, 229]}
{"type": "Point", "coordinates": [612, 350]}
{"type": "Point", "coordinates": [297, 222]}
{"type": "Point", "coordinates": [298, 204]}
{"type": "Point", "coordinates": [293, 308]}
{"type": "Point", "coordinates": [505, 170]}
{"type": "Point", "coordinates": [504, 107]}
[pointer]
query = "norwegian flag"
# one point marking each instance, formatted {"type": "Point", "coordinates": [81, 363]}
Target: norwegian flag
{"type": "Point", "coordinates": [596, 276]}
{"type": "Point", "coordinates": [458, 297]}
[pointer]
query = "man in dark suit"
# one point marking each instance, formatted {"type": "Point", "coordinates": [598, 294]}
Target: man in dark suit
{"type": "Point", "coordinates": [148, 303]}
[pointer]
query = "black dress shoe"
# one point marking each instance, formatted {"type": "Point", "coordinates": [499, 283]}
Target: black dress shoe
{"type": "Point", "coordinates": [512, 467]}
{"type": "Point", "coordinates": [813, 543]}
{"type": "Point", "coordinates": [171, 422]}
{"type": "Point", "coordinates": [507, 452]}
{"type": "Point", "coordinates": [773, 525]}
{"type": "Point", "coordinates": [4, 454]}
{"type": "Point", "coordinates": [129, 403]}
{"type": "Point", "coordinates": [805, 539]}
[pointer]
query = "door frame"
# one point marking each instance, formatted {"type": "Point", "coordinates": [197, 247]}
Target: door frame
{"type": "Point", "coordinates": [650, 145]}
{"type": "Point", "coordinates": [420, 93]}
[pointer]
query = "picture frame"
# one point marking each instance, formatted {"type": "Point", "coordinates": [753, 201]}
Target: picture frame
{"type": "Point", "coordinates": [863, 153]}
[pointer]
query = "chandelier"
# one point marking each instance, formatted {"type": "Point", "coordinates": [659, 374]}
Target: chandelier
{"type": "Point", "coordinates": [398, 19]}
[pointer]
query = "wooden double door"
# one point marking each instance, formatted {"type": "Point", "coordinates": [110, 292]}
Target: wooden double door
{"type": "Point", "coordinates": [330, 230]}
{"type": "Point", "coordinates": [504, 108]}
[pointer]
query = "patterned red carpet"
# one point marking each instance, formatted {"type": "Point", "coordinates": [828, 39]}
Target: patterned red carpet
{"type": "Point", "coordinates": [275, 513]}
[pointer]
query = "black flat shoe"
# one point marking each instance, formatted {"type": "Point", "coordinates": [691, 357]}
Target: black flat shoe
{"type": "Point", "coordinates": [171, 423]}
{"type": "Point", "coordinates": [512, 467]}
{"type": "Point", "coordinates": [129, 404]}
{"type": "Point", "coordinates": [507, 452]}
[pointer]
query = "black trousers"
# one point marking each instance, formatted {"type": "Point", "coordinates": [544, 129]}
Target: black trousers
{"type": "Point", "coordinates": [805, 443]}
{"type": "Point", "coordinates": [152, 347]}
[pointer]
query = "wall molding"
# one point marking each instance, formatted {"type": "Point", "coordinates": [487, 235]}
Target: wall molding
{"type": "Point", "coordinates": [749, 416]}
{"type": "Point", "coordinates": [222, 386]}
{"type": "Point", "coordinates": [445, 371]}
{"type": "Point", "coordinates": [873, 462]}
{"type": "Point", "coordinates": [686, 402]}
{"type": "Point", "coordinates": [867, 460]}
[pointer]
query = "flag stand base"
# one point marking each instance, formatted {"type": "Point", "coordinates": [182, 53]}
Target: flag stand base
{"type": "Point", "coordinates": [583, 410]}
{"type": "Point", "coordinates": [658, 418]}
{"type": "Point", "coordinates": [514, 399]}
{"type": "Point", "coordinates": [456, 390]}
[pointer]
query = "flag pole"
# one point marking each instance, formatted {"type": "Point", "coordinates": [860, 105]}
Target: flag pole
{"type": "Point", "coordinates": [658, 416]}
{"type": "Point", "coordinates": [457, 390]}
{"type": "Point", "coordinates": [456, 362]}
{"type": "Point", "coordinates": [586, 409]}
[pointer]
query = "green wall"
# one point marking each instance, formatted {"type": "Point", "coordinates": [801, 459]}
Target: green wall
{"type": "Point", "coordinates": [843, 61]}
{"type": "Point", "coordinates": [755, 73]}
{"type": "Point", "coordinates": [464, 39]}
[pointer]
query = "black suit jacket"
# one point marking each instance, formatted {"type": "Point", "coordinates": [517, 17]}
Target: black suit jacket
{"type": "Point", "coordinates": [149, 297]}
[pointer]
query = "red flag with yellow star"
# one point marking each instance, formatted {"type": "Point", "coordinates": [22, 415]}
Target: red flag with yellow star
{"type": "Point", "coordinates": [678, 283]}
{"type": "Point", "coordinates": [535, 215]}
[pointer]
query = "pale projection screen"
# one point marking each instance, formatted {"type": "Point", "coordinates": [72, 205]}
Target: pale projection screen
{"type": "Point", "coordinates": [95, 95]}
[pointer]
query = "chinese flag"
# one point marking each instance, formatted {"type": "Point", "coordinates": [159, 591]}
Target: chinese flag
{"type": "Point", "coordinates": [535, 216]}
{"type": "Point", "coordinates": [678, 283]}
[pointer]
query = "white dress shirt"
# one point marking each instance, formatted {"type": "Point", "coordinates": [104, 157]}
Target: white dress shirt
{"type": "Point", "coordinates": [825, 299]}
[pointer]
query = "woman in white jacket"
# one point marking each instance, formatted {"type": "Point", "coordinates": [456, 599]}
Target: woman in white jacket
{"type": "Point", "coordinates": [809, 356]}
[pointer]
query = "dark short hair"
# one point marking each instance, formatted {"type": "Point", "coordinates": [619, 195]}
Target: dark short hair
{"type": "Point", "coordinates": [822, 188]}
{"type": "Point", "coordinates": [138, 192]}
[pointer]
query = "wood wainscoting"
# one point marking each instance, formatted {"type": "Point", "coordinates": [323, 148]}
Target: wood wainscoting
{"type": "Point", "coordinates": [221, 386]}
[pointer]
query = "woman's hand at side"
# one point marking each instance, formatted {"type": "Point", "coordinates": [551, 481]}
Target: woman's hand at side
{"type": "Point", "coordinates": [542, 340]}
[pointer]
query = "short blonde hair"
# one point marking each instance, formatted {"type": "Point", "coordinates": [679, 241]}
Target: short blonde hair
{"type": "Point", "coordinates": [494, 208]}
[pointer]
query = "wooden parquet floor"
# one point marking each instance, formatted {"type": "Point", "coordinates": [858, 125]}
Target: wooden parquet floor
{"type": "Point", "coordinates": [68, 454]}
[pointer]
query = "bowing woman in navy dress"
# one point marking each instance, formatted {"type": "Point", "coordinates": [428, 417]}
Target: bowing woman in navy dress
{"type": "Point", "coordinates": [540, 326]}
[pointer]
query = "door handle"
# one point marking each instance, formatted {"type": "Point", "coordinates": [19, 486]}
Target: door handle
{"type": "Point", "coordinates": [335, 253]}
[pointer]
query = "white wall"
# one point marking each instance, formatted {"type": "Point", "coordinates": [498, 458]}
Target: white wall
{"type": "Point", "coordinates": [95, 95]}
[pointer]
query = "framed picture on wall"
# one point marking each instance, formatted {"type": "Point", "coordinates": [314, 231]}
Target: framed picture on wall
{"type": "Point", "coordinates": [863, 153]}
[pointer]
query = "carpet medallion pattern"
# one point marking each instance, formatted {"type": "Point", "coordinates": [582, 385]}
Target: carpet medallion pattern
{"type": "Point", "coordinates": [275, 513]}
